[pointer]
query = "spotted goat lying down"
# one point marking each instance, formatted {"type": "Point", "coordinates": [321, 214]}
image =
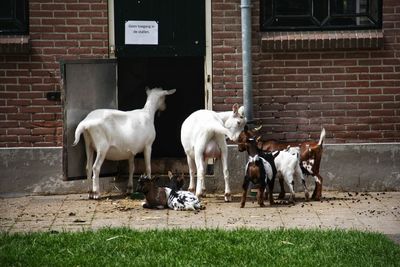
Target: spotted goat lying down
{"type": "Point", "coordinates": [167, 197]}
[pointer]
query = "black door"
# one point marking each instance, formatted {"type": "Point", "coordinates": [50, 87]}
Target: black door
{"type": "Point", "coordinates": [185, 74]}
{"type": "Point", "coordinates": [172, 57]}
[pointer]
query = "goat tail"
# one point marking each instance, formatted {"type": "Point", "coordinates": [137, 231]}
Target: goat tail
{"type": "Point", "coordinates": [79, 130]}
{"type": "Point", "coordinates": [322, 137]}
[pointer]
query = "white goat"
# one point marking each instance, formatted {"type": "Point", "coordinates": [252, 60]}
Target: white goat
{"type": "Point", "coordinates": [119, 135]}
{"type": "Point", "coordinates": [287, 165]}
{"type": "Point", "coordinates": [203, 136]}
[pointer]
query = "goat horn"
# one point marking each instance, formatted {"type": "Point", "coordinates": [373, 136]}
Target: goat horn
{"type": "Point", "coordinates": [258, 128]}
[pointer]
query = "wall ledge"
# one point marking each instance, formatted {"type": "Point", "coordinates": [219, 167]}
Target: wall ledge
{"type": "Point", "coordinates": [321, 40]}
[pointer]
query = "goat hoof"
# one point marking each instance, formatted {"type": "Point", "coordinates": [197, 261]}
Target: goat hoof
{"type": "Point", "coordinates": [241, 205]}
{"type": "Point", "coordinates": [129, 190]}
{"type": "Point", "coordinates": [228, 197]}
{"type": "Point", "coordinates": [307, 196]}
{"type": "Point", "coordinates": [317, 198]}
{"type": "Point", "coordinates": [94, 195]}
{"type": "Point", "coordinates": [281, 196]}
{"type": "Point", "coordinates": [262, 205]}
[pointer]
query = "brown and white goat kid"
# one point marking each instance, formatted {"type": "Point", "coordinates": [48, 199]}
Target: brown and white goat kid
{"type": "Point", "coordinates": [156, 197]}
{"type": "Point", "coordinates": [260, 170]}
{"type": "Point", "coordinates": [310, 156]}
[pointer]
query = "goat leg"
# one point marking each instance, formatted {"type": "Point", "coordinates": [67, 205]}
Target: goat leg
{"type": "Point", "coordinates": [270, 191]}
{"type": "Point", "coordinates": [318, 188]}
{"type": "Point", "coordinates": [245, 187]}
{"type": "Point", "coordinates": [282, 185]}
{"type": "Point", "coordinates": [260, 195]}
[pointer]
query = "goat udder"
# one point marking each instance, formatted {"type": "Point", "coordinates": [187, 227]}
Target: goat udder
{"type": "Point", "coordinates": [212, 150]}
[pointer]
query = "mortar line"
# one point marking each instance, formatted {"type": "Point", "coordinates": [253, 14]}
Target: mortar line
{"type": "Point", "coordinates": [19, 215]}
{"type": "Point", "coordinates": [58, 212]}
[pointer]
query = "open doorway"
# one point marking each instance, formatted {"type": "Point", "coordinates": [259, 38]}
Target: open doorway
{"type": "Point", "coordinates": [185, 74]}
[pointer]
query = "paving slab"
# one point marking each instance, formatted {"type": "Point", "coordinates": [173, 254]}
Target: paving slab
{"type": "Point", "coordinates": [376, 211]}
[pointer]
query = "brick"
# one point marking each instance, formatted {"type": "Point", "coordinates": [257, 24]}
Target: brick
{"type": "Point", "coordinates": [357, 83]}
{"type": "Point", "coordinates": [369, 105]}
{"type": "Point", "coordinates": [43, 131]}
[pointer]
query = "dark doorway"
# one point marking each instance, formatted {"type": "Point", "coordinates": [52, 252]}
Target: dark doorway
{"type": "Point", "coordinates": [185, 74]}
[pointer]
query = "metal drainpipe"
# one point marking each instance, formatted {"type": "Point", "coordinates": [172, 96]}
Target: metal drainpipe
{"type": "Point", "coordinates": [246, 59]}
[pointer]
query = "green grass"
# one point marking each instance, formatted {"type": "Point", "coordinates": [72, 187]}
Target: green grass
{"type": "Point", "coordinates": [242, 247]}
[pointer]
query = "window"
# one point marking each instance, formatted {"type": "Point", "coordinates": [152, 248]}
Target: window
{"type": "Point", "coordinates": [284, 15]}
{"type": "Point", "coordinates": [14, 17]}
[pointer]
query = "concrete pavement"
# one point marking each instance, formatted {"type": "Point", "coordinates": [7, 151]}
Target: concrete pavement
{"type": "Point", "coordinates": [375, 211]}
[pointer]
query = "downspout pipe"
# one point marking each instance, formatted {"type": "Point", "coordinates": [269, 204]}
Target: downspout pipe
{"type": "Point", "coordinates": [247, 73]}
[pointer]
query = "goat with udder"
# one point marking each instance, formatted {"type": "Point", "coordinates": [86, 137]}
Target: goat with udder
{"type": "Point", "coordinates": [119, 135]}
{"type": "Point", "coordinates": [203, 136]}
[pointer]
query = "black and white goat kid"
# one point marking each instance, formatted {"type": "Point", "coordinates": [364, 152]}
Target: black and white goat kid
{"type": "Point", "coordinates": [177, 199]}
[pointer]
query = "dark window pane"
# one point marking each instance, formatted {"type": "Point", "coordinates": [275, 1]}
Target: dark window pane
{"type": "Point", "coordinates": [320, 11]}
{"type": "Point", "coordinates": [343, 6]}
{"type": "Point", "coordinates": [293, 7]}
{"type": "Point", "coordinates": [289, 22]}
{"type": "Point", "coordinates": [346, 7]}
{"type": "Point", "coordinates": [278, 15]}
{"type": "Point", "coordinates": [7, 9]}
{"type": "Point", "coordinates": [374, 10]}
{"type": "Point", "coordinates": [14, 17]}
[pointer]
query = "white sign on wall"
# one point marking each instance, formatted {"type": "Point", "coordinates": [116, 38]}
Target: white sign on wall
{"type": "Point", "coordinates": [141, 32]}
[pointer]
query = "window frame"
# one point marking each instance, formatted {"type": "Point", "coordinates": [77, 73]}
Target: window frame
{"type": "Point", "coordinates": [266, 20]}
{"type": "Point", "coordinates": [18, 21]}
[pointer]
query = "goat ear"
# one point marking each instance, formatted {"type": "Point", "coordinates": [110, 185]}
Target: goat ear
{"type": "Point", "coordinates": [170, 92]}
{"type": "Point", "coordinates": [246, 128]}
{"type": "Point", "coordinates": [241, 111]}
{"type": "Point", "coordinates": [235, 108]}
{"type": "Point", "coordinates": [148, 90]}
{"type": "Point", "coordinates": [258, 139]}
{"type": "Point", "coordinates": [170, 175]}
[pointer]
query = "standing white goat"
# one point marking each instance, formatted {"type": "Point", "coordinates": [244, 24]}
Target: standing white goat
{"type": "Point", "coordinates": [203, 136]}
{"type": "Point", "coordinates": [119, 135]}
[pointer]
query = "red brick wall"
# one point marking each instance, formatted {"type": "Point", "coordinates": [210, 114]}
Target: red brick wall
{"type": "Point", "coordinates": [354, 94]}
{"type": "Point", "coordinates": [59, 29]}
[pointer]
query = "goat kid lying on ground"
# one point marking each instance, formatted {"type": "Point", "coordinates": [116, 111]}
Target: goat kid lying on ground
{"type": "Point", "coordinates": [260, 170]}
{"type": "Point", "coordinates": [156, 196]}
{"type": "Point", "coordinates": [167, 197]}
{"type": "Point", "coordinates": [310, 156]}
{"type": "Point", "coordinates": [119, 135]}
{"type": "Point", "coordinates": [179, 199]}
{"type": "Point", "coordinates": [203, 136]}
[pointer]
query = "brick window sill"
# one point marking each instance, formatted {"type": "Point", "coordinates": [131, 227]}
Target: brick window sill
{"type": "Point", "coordinates": [15, 44]}
{"type": "Point", "coordinates": [314, 40]}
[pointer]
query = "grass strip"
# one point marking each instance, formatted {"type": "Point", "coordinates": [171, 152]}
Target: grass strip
{"type": "Point", "coordinates": [241, 247]}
